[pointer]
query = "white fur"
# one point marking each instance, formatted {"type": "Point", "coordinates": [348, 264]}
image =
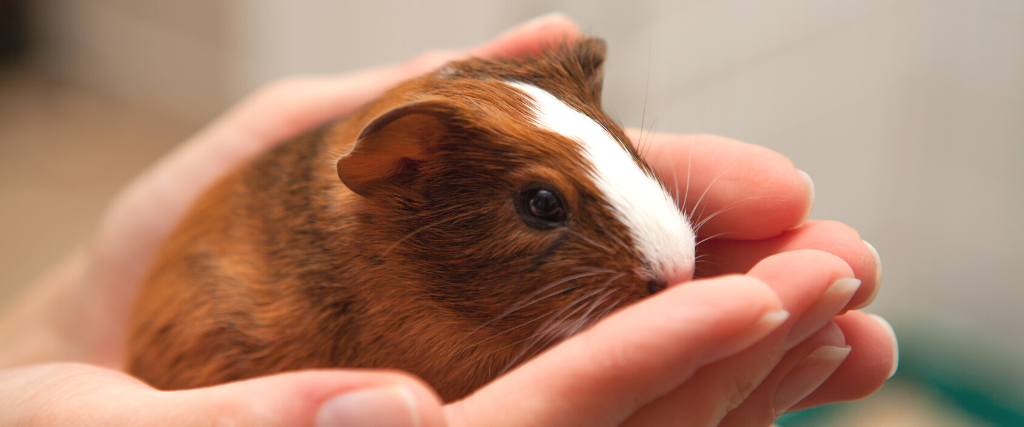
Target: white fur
{"type": "Point", "coordinates": [658, 227]}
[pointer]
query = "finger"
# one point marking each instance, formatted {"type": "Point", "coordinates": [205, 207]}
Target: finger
{"type": "Point", "coordinates": [323, 398]}
{"type": "Point", "coordinates": [70, 394]}
{"type": "Point", "coordinates": [801, 371]}
{"type": "Point", "coordinates": [874, 360]}
{"type": "Point", "coordinates": [530, 37]}
{"type": "Point", "coordinates": [739, 256]}
{"type": "Point", "coordinates": [813, 286]}
{"type": "Point", "coordinates": [600, 377]}
{"type": "Point", "coordinates": [807, 374]}
{"type": "Point", "coordinates": [727, 186]}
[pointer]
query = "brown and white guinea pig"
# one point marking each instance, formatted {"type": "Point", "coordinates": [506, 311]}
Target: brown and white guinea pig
{"type": "Point", "coordinates": [475, 217]}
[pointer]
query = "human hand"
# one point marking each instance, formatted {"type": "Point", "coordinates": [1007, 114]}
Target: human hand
{"type": "Point", "coordinates": [751, 203]}
{"type": "Point", "coordinates": [85, 301]}
{"type": "Point", "coordinates": [683, 356]}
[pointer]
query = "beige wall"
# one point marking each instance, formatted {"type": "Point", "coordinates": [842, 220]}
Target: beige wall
{"type": "Point", "coordinates": [909, 115]}
{"type": "Point", "coordinates": [169, 56]}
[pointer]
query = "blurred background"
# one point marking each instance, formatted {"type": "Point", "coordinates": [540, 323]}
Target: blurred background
{"type": "Point", "coordinates": [908, 115]}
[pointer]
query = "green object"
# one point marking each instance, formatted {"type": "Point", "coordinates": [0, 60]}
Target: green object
{"type": "Point", "coordinates": [963, 371]}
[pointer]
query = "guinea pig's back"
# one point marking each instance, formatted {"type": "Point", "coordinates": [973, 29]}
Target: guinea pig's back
{"type": "Point", "coordinates": [218, 305]}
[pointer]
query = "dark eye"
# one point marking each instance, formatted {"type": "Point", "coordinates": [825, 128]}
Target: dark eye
{"type": "Point", "coordinates": [541, 208]}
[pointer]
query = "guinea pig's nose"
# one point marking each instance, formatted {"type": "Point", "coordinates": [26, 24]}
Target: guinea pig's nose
{"type": "Point", "coordinates": [656, 285]}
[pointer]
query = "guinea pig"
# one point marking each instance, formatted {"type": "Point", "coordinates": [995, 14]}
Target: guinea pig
{"type": "Point", "coordinates": [457, 226]}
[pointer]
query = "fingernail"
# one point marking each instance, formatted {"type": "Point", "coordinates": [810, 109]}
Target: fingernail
{"type": "Point", "coordinates": [810, 201]}
{"type": "Point", "coordinates": [832, 301]}
{"type": "Point", "coordinates": [386, 407]}
{"type": "Point", "coordinates": [895, 344]}
{"type": "Point", "coordinates": [878, 277]}
{"type": "Point", "coordinates": [764, 326]}
{"type": "Point", "coordinates": [807, 375]}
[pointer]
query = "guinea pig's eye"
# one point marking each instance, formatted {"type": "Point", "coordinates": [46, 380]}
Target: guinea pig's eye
{"type": "Point", "coordinates": [541, 207]}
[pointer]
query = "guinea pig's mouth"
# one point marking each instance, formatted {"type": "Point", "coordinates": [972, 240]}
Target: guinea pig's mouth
{"type": "Point", "coordinates": [656, 285]}
{"type": "Point", "coordinates": [658, 281]}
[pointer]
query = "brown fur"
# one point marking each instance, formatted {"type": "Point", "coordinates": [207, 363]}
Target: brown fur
{"type": "Point", "coordinates": [426, 266]}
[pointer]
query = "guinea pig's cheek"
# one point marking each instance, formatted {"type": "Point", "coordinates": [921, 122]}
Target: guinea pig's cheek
{"type": "Point", "coordinates": [684, 277]}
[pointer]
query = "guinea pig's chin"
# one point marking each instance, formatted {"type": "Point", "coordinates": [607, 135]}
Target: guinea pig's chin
{"type": "Point", "coordinates": [681, 276]}
{"type": "Point", "coordinates": [679, 280]}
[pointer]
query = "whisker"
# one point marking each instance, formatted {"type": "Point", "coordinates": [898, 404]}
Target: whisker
{"type": "Point", "coordinates": [607, 311]}
{"type": "Point", "coordinates": [478, 343]}
{"type": "Point", "coordinates": [433, 224]}
{"type": "Point", "coordinates": [675, 183]}
{"type": "Point", "coordinates": [538, 292]}
{"type": "Point", "coordinates": [728, 207]}
{"type": "Point", "coordinates": [647, 92]}
{"type": "Point", "coordinates": [704, 255]}
{"type": "Point", "coordinates": [430, 212]}
{"type": "Point", "coordinates": [604, 313]}
{"type": "Point", "coordinates": [593, 269]}
{"type": "Point", "coordinates": [709, 238]}
{"type": "Point", "coordinates": [547, 328]}
{"type": "Point", "coordinates": [507, 330]}
{"type": "Point", "coordinates": [584, 321]}
{"type": "Point", "coordinates": [474, 361]}
{"type": "Point", "coordinates": [689, 167]}
{"type": "Point", "coordinates": [650, 134]}
{"type": "Point", "coordinates": [526, 301]}
{"type": "Point", "coordinates": [585, 317]}
{"type": "Point", "coordinates": [604, 286]}
{"type": "Point", "coordinates": [587, 239]}
{"type": "Point", "coordinates": [706, 263]}
{"type": "Point", "coordinates": [556, 320]}
{"type": "Point", "coordinates": [719, 176]}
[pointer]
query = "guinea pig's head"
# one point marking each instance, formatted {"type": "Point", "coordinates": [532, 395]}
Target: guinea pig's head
{"type": "Point", "coordinates": [512, 206]}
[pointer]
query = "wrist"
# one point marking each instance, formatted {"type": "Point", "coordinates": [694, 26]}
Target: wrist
{"type": "Point", "coordinates": [49, 319]}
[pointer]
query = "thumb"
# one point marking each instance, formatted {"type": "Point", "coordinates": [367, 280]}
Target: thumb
{"type": "Point", "coordinates": [72, 394]}
{"type": "Point", "coordinates": [323, 398]}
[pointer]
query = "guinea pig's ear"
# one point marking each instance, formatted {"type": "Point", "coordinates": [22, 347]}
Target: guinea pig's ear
{"type": "Point", "coordinates": [393, 144]}
{"type": "Point", "coordinates": [589, 53]}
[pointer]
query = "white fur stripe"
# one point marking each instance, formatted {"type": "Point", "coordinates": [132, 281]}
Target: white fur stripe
{"type": "Point", "coordinates": [659, 229]}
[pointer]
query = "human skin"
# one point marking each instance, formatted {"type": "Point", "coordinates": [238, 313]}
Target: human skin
{"type": "Point", "coordinates": [763, 326]}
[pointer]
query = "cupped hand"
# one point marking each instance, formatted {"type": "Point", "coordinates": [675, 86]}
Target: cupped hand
{"type": "Point", "coordinates": [750, 204]}
{"type": "Point", "coordinates": [732, 350]}
{"type": "Point", "coordinates": [719, 350]}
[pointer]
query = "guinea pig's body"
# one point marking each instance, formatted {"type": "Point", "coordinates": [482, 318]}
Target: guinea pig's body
{"type": "Point", "coordinates": [475, 217]}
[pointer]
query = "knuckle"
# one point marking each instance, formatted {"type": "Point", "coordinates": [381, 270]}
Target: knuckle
{"type": "Point", "coordinates": [735, 392]}
{"type": "Point", "coordinates": [836, 230]}
{"type": "Point", "coordinates": [821, 258]}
